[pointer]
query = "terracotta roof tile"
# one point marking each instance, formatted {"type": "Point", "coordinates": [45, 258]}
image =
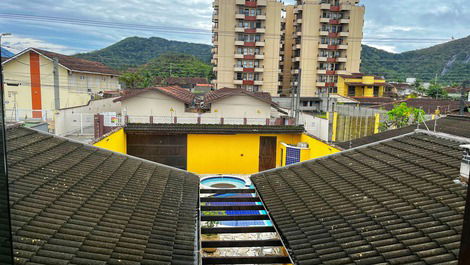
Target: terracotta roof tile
{"type": "Point", "coordinates": [175, 92]}
{"type": "Point", "coordinates": [227, 92]}
{"type": "Point", "coordinates": [429, 105]}
{"type": "Point", "coordinates": [77, 64]}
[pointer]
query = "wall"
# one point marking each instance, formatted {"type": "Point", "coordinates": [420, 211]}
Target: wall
{"type": "Point", "coordinates": [230, 154]}
{"type": "Point", "coordinates": [226, 44]}
{"type": "Point", "coordinates": [153, 103]}
{"type": "Point", "coordinates": [288, 41]}
{"type": "Point", "coordinates": [240, 107]}
{"type": "Point", "coordinates": [272, 47]}
{"type": "Point", "coordinates": [316, 126]}
{"type": "Point", "coordinates": [317, 148]}
{"type": "Point", "coordinates": [356, 26]}
{"type": "Point", "coordinates": [115, 141]}
{"type": "Point", "coordinates": [74, 120]}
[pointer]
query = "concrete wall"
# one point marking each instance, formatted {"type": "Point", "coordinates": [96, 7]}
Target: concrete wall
{"type": "Point", "coordinates": [318, 127]}
{"type": "Point", "coordinates": [79, 119]}
{"type": "Point", "coordinates": [116, 141]}
{"type": "Point", "coordinates": [272, 47]}
{"type": "Point", "coordinates": [153, 103]}
{"type": "Point", "coordinates": [240, 107]}
{"type": "Point", "coordinates": [230, 154]}
{"type": "Point", "coordinates": [226, 43]}
{"type": "Point", "coordinates": [288, 41]}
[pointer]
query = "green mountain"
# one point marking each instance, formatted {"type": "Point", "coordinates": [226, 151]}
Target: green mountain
{"type": "Point", "coordinates": [449, 62]}
{"type": "Point", "coordinates": [164, 66]}
{"type": "Point", "coordinates": [135, 51]}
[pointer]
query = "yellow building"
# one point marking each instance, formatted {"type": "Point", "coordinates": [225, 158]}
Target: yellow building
{"type": "Point", "coordinates": [217, 149]}
{"type": "Point", "coordinates": [359, 85]}
{"type": "Point", "coordinates": [327, 43]}
{"type": "Point", "coordinates": [30, 83]}
{"type": "Point", "coordinates": [246, 41]}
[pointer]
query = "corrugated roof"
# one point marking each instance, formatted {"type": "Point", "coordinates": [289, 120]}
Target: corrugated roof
{"type": "Point", "coordinates": [389, 203]}
{"type": "Point", "coordinates": [76, 204]}
{"type": "Point", "coordinates": [175, 92]}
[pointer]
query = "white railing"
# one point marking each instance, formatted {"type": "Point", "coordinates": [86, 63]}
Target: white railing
{"type": "Point", "coordinates": [197, 120]}
{"type": "Point", "coordinates": [17, 115]}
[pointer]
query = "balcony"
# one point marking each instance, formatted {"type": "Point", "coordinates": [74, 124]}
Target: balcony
{"type": "Point", "coordinates": [346, 7]}
{"type": "Point", "coordinates": [249, 44]}
{"type": "Point", "coordinates": [259, 56]}
{"type": "Point", "coordinates": [249, 57]}
{"type": "Point", "coordinates": [343, 47]}
{"type": "Point", "coordinates": [322, 59]}
{"type": "Point", "coordinates": [344, 34]}
{"type": "Point", "coordinates": [240, 16]}
{"type": "Point", "coordinates": [250, 3]}
{"type": "Point", "coordinates": [238, 69]}
{"type": "Point", "coordinates": [238, 82]}
{"type": "Point", "coordinates": [296, 59]}
{"type": "Point", "coordinates": [335, 8]}
{"type": "Point", "coordinates": [295, 71]}
{"type": "Point", "coordinates": [260, 43]}
{"type": "Point", "coordinates": [214, 69]}
{"type": "Point", "coordinates": [261, 17]}
{"type": "Point", "coordinates": [260, 30]}
{"type": "Point", "coordinates": [299, 21]}
{"type": "Point", "coordinates": [323, 46]}
{"type": "Point", "coordinates": [238, 56]}
{"type": "Point", "coordinates": [250, 31]}
{"type": "Point", "coordinates": [297, 9]}
{"type": "Point", "coordinates": [330, 84]}
{"type": "Point", "coordinates": [215, 3]}
{"type": "Point", "coordinates": [240, 2]}
{"type": "Point", "coordinates": [215, 17]}
{"type": "Point", "coordinates": [330, 72]}
{"type": "Point", "coordinates": [342, 72]}
{"type": "Point", "coordinates": [239, 43]}
{"type": "Point", "coordinates": [215, 55]}
{"type": "Point", "coordinates": [344, 21]}
{"type": "Point", "coordinates": [297, 46]}
{"type": "Point", "coordinates": [324, 20]}
{"type": "Point", "coordinates": [325, 6]}
{"type": "Point", "coordinates": [321, 72]}
{"type": "Point", "coordinates": [320, 84]}
{"type": "Point", "coordinates": [250, 18]}
{"type": "Point", "coordinates": [333, 35]}
{"type": "Point", "coordinates": [342, 60]}
{"type": "Point", "coordinates": [324, 33]}
{"type": "Point", "coordinates": [258, 82]}
{"type": "Point", "coordinates": [248, 70]}
{"type": "Point", "coordinates": [334, 22]}
{"type": "Point", "coordinates": [259, 69]}
{"type": "Point", "coordinates": [238, 29]}
{"type": "Point", "coordinates": [332, 47]}
{"type": "Point", "coordinates": [215, 43]}
{"type": "Point", "coordinates": [248, 82]}
{"type": "Point", "coordinates": [214, 50]}
{"type": "Point", "coordinates": [298, 33]}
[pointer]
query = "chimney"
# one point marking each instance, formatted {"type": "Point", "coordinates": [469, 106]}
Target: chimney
{"type": "Point", "coordinates": [465, 164]}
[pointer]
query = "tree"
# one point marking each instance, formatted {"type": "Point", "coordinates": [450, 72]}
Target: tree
{"type": "Point", "coordinates": [419, 88]}
{"type": "Point", "coordinates": [435, 90]}
{"type": "Point", "coordinates": [402, 115]}
{"type": "Point", "coordinates": [136, 80]}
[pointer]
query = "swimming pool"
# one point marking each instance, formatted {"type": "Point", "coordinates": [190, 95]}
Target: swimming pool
{"type": "Point", "coordinates": [224, 182]}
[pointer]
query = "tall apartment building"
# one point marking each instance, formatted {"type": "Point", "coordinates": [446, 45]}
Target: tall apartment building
{"type": "Point", "coordinates": [327, 43]}
{"type": "Point", "coordinates": [246, 39]}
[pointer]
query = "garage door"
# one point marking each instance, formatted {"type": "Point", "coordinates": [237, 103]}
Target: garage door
{"type": "Point", "coordinates": [165, 149]}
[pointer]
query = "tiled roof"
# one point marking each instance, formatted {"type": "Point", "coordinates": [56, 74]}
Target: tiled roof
{"type": "Point", "coordinates": [4, 59]}
{"type": "Point", "coordinates": [360, 75]}
{"type": "Point", "coordinates": [181, 81]}
{"type": "Point", "coordinates": [455, 125]}
{"type": "Point", "coordinates": [228, 92]}
{"type": "Point", "coordinates": [175, 92]}
{"type": "Point", "coordinates": [373, 100]}
{"type": "Point", "coordinates": [390, 203]}
{"type": "Point", "coordinates": [429, 105]}
{"type": "Point", "coordinates": [212, 128]}
{"type": "Point", "coordinates": [76, 204]}
{"type": "Point", "coordinates": [77, 64]}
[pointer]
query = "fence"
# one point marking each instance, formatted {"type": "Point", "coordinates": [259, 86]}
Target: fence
{"type": "Point", "coordinates": [318, 127]}
{"type": "Point", "coordinates": [17, 115]}
{"type": "Point", "coordinates": [354, 122]}
{"type": "Point", "coordinates": [201, 120]}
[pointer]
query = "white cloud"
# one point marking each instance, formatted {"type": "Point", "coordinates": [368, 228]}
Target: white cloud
{"type": "Point", "coordinates": [18, 43]}
{"type": "Point", "coordinates": [388, 48]}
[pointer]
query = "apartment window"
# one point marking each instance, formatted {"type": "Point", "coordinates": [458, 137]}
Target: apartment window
{"type": "Point", "coordinates": [351, 91]}
{"type": "Point", "coordinates": [82, 77]}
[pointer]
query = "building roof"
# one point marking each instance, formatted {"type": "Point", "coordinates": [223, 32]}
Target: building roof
{"type": "Point", "coordinates": [390, 203]}
{"type": "Point", "coordinates": [212, 128]}
{"type": "Point", "coordinates": [225, 92]}
{"type": "Point", "coordinates": [4, 59]}
{"type": "Point", "coordinates": [455, 90]}
{"type": "Point", "coordinates": [175, 92]}
{"type": "Point", "coordinates": [180, 81]}
{"type": "Point", "coordinates": [72, 63]}
{"type": "Point", "coordinates": [429, 105]}
{"type": "Point", "coordinates": [73, 203]}
{"type": "Point", "coordinates": [360, 75]}
{"type": "Point", "coordinates": [452, 124]}
{"type": "Point", "coordinates": [373, 100]}
{"type": "Point", "coordinates": [363, 84]}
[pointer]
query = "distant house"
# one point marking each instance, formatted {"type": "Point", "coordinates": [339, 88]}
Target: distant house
{"type": "Point", "coordinates": [239, 103]}
{"type": "Point", "coordinates": [360, 85]}
{"type": "Point", "coordinates": [29, 79]}
{"type": "Point", "coordinates": [455, 93]}
{"type": "Point", "coordinates": [401, 89]}
{"type": "Point", "coordinates": [169, 101]}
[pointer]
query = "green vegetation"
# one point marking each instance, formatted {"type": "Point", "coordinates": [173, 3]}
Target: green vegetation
{"type": "Point", "coordinates": [402, 115]}
{"type": "Point", "coordinates": [449, 62]}
{"type": "Point", "coordinates": [166, 65]}
{"type": "Point", "coordinates": [135, 51]}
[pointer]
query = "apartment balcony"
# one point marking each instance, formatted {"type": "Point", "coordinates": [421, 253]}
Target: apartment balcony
{"type": "Point", "coordinates": [342, 60]}
{"type": "Point", "coordinates": [343, 47]}
{"type": "Point", "coordinates": [297, 46]}
{"type": "Point", "coordinates": [298, 33]}
{"type": "Point", "coordinates": [334, 22]}
{"type": "Point", "coordinates": [261, 17]}
{"type": "Point", "coordinates": [344, 21]}
{"type": "Point", "coordinates": [344, 34]}
{"type": "Point", "coordinates": [250, 31]}
{"type": "Point", "coordinates": [215, 69]}
{"type": "Point", "coordinates": [215, 43]}
{"type": "Point", "coordinates": [324, 20]}
{"type": "Point", "coordinates": [296, 59]}
{"type": "Point", "coordinates": [250, 18]}
{"type": "Point", "coordinates": [324, 33]}
{"type": "Point", "coordinates": [330, 84]}
{"type": "Point", "coordinates": [238, 56]}
{"type": "Point", "coordinates": [333, 35]}
{"type": "Point", "coordinates": [215, 17]}
{"type": "Point", "coordinates": [325, 6]}
{"type": "Point", "coordinates": [332, 47]}
{"type": "Point", "coordinates": [250, 3]}
{"type": "Point", "coordinates": [215, 29]}
{"type": "Point", "coordinates": [342, 72]}
{"type": "Point", "coordinates": [321, 72]}
{"type": "Point", "coordinates": [213, 50]}
{"type": "Point", "coordinates": [238, 29]}
{"type": "Point", "coordinates": [320, 84]}
{"type": "Point", "coordinates": [215, 56]}
{"type": "Point", "coordinates": [295, 83]}
{"type": "Point", "coordinates": [346, 7]}
{"type": "Point", "coordinates": [262, 3]}
{"type": "Point", "coordinates": [259, 69]}
{"type": "Point", "coordinates": [259, 56]}
{"type": "Point", "coordinates": [238, 69]}
{"type": "Point", "coordinates": [295, 71]}
{"type": "Point", "coordinates": [335, 8]}
{"type": "Point", "coordinates": [258, 83]}
{"type": "Point", "coordinates": [330, 72]}
{"type": "Point", "coordinates": [240, 16]}
{"type": "Point", "coordinates": [297, 9]}
{"type": "Point", "coordinates": [260, 43]}
{"type": "Point", "coordinates": [322, 59]}
{"type": "Point", "coordinates": [299, 21]}
{"type": "Point", "coordinates": [260, 30]}
{"type": "Point", "coordinates": [215, 3]}
{"type": "Point", "coordinates": [248, 70]}
{"type": "Point", "coordinates": [240, 2]}
{"type": "Point", "coordinates": [323, 46]}
{"type": "Point", "coordinates": [249, 57]}
{"type": "Point", "coordinates": [238, 82]}
{"type": "Point", "coordinates": [239, 43]}
{"type": "Point", "coordinates": [248, 82]}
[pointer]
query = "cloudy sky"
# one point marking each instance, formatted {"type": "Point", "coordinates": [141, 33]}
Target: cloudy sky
{"type": "Point", "coordinates": [71, 26]}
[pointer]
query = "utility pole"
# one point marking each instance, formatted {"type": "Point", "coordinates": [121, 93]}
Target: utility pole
{"type": "Point", "coordinates": [6, 242]}
{"type": "Point", "coordinates": [463, 89]}
{"type": "Point", "coordinates": [56, 84]}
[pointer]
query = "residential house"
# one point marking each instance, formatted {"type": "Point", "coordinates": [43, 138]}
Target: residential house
{"type": "Point", "coordinates": [164, 102]}
{"type": "Point", "coordinates": [30, 83]}
{"type": "Point", "coordinates": [360, 85]}
{"type": "Point", "coordinates": [455, 92]}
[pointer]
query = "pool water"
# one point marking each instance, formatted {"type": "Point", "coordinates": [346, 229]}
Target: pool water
{"type": "Point", "coordinates": [224, 182]}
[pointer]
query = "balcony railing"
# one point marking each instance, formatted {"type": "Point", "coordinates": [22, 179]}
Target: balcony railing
{"type": "Point", "coordinates": [200, 120]}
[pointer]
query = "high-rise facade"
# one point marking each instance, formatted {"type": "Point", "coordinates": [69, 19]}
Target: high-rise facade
{"type": "Point", "coordinates": [262, 45]}
{"type": "Point", "coordinates": [246, 38]}
{"type": "Point", "coordinates": [327, 43]}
